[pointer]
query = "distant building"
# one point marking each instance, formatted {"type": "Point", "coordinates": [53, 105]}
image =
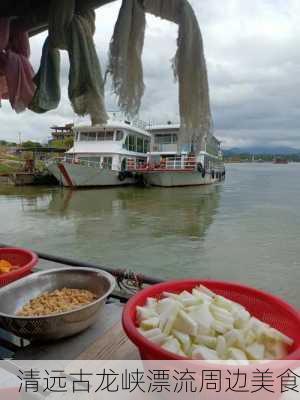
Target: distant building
{"type": "Point", "coordinates": [60, 133]}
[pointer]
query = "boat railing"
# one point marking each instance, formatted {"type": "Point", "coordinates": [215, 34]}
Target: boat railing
{"type": "Point", "coordinates": [166, 164]}
{"type": "Point", "coordinates": [86, 163]}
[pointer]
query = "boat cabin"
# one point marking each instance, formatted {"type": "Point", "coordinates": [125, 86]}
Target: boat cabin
{"type": "Point", "coordinates": [165, 151]}
{"type": "Point", "coordinates": [110, 146]}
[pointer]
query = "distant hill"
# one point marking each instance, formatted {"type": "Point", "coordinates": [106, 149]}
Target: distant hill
{"type": "Point", "coordinates": [261, 150]}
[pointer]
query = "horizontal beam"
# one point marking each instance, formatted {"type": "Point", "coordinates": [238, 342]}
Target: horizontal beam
{"type": "Point", "coordinates": [36, 21]}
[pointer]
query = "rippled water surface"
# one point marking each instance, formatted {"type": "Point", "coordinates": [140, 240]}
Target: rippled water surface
{"type": "Point", "coordinates": [246, 229]}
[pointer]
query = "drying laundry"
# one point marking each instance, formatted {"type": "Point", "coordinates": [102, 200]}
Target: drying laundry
{"type": "Point", "coordinates": [125, 65]}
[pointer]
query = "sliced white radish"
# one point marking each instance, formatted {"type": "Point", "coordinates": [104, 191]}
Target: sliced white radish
{"type": "Point", "coordinates": [172, 345]}
{"type": "Point", "coordinates": [236, 354]}
{"type": "Point", "coordinates": [206, 291]}
{"type": "Point", "coordinates": [202, 316]}
{"type": "Point", "coordinates": [168, 317]}
{"type": "Point", "coordinates": [221, 327]}
{"type": "Point", "coordinates": [234, 338]}
{"type": "Point", "coordinates": [241, 317]}
{"type": "Point", "coordinates": [221, 347]}
{"type": "Point", "coordinates": [208, 341]}
{"type": "Point", "coordinates": [166, 305]}
{"type": "Point", "coordinates": [202, 297]}
{"type": "Point", "coordinates": [159, 339]}
{"type": "Point", "coordinates": [276, 350]}
{"type": "Point", "coordinates": [203, 325]}
{"type": "Point", "coordinates": [151, 332]}
{"type": "Point", "coordinates": [249, 336]}
{"type": "Point", "coordinates": [220, 301]}
{"type": "Point", "coordinates": [222, 315]}
{"type": "Point", "coordinates": [171, 295]}
{"type": "Point", "coordinates": [155, 335]}
{"type": "Point", "coordinates": [151, 302]}
{"type": "Point", "coordinates": [256, 351]}
{"type": "Point", "coordinates": [144, 313]}
{"type": "Point", "coordinates": [258, 327]}
{"type": "Point", "coordinates": [184, 340]}
{"type": "Point", "coordinates": [277, 335]}
{"type": "Point", "coordinates": [150, 323]}
{"type": "Point", "coordinates": [204, 353]}
{"type": "Point", "coordinates": [184, 323]}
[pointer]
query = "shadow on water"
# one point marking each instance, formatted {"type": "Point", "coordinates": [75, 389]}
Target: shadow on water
{"type": "Point", "coordinates": [185, 212]}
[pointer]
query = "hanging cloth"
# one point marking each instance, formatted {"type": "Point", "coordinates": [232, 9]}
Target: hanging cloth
{"type": "Point", "coordinates": [74, 33]}
{"type": "Point", "coordinates": [189, 64]}
{"type": "Point", "coordinates": [86, 86]}
{"type": "Point", "coordinates": [125, 59]}
{"type": "Point", "coordinates": [47, 95]}
{"type": "Point", "coordinates": [16, 72]}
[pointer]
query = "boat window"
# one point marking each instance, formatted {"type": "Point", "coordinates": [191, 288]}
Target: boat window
{"type": "Point", "coordinates": [168, 138]}
{"type": "Point", "coordinates": [137, 144]}
{"type": "Point", "coordinates": [119, 135]}
{"type": "Point", "coordinates": [105, 135]}
{"type": "Point", "coordinates": [132, 143]}
{"type": "Point", "coordinates": [87, 136]}
{"type": "Point", "coordinates": [140, 145]}
{"type": "Point", "coordinates": [84, 136]}
{"type": "Point", "coordinates": [94, 159]}
{"type": "Point", "coordinates": [146, 148]}
{"type": "Point", "coordinates": [126, 144]}
{"type": "Point", "coordinates": [107, 162]}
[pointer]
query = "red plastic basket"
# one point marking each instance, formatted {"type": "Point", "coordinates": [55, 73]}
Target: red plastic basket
{"type": "Point", "coordinates": [24, 259]}
{"type": "Point", "coordinates": [264, 306]}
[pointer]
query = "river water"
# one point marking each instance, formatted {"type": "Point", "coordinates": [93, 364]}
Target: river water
{"type": "Point", "coordinates": [246, 229]}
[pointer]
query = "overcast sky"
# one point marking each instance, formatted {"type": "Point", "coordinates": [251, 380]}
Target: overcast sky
{"type": "Point", "coordinates": [252, 52]}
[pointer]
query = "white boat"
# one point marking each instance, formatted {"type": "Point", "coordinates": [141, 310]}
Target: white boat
{"type": "Point", "coordinates": [168, 166]}
{"type": "Point", "coordinates": [100, 154]}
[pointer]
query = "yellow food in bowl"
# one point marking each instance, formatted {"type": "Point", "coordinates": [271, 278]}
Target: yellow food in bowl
{"type": "Point", "coordinates": [58, 301]}
{"type": "Point", "coordinates": [5, 266]}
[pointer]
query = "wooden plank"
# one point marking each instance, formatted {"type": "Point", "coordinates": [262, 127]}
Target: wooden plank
{"type": "Point", "coordinates": [114, 345]}
{"type": "Point", "coordinates": [71, 348]}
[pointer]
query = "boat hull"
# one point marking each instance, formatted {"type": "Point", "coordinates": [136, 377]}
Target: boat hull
{"type": "Point", "coordinates": [54, 170]}
{"type": "Point", "coordinates": [76, 175]}
{"type": "Point", "coordinates": [179, 178]}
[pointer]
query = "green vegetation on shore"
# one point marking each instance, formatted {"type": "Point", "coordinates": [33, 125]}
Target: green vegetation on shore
{"type": "Point", "coordinates": [12, 161]}
{"type": "Point", "coordinates": [6, 169]}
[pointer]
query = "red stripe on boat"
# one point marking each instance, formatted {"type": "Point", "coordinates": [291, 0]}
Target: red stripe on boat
{"type": "Point", "coordinates": [65, 174]}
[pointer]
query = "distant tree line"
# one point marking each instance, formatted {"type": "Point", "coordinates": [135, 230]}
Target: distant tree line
{"type": "Point", "coordinates": [66, 143]}
{"type": "Point", "coordinates": [27, 143]}
{"type": "Point", "coordinates": [6, 143]}
{"type": "Point", "coordinates": [261, 157]}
